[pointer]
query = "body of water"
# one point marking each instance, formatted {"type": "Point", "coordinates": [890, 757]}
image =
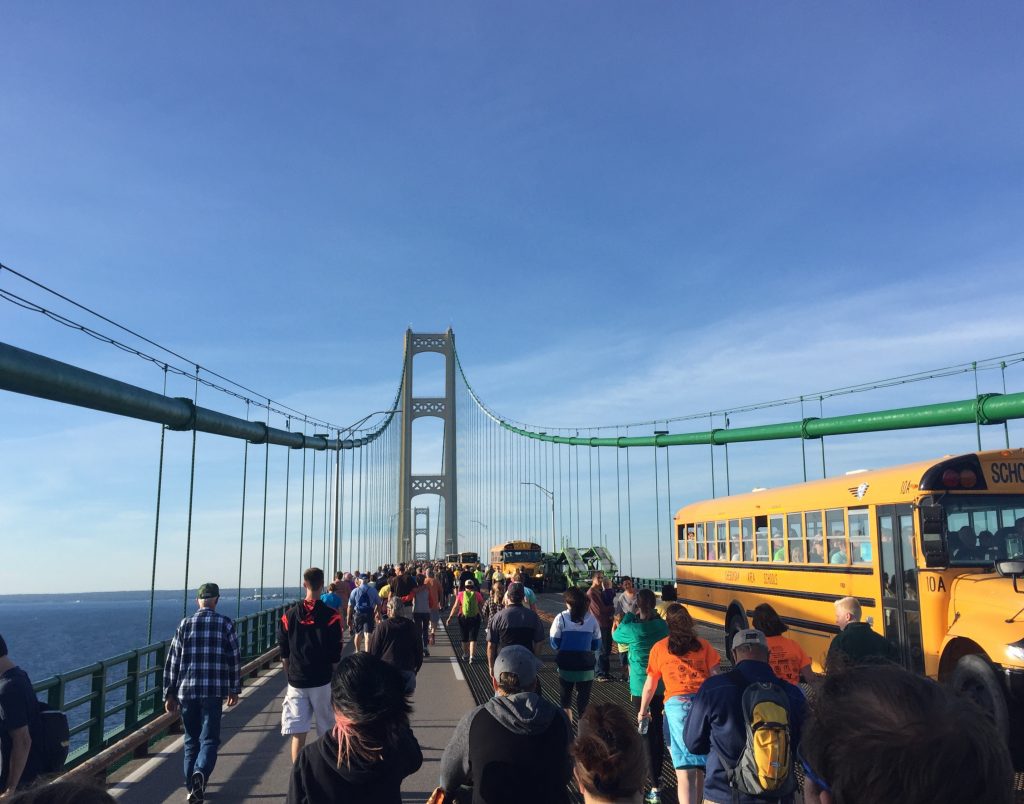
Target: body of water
{"type": "Point", "coordinates": [54, 633]}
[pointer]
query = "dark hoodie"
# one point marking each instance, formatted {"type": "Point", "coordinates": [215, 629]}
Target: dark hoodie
{"type": "Point", "coordinates": [514, 748]}
{"type": "Point", "coordinates": [317, 779]}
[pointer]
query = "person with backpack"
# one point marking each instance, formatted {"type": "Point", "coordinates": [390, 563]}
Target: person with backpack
{"type": "Point", "coordinates": [21, 727]}
{"type": "Point", "coordinates": [681, 662]}
{"type": "Point", "coordinates": [576, 636]}
{"type": "Point", "coordinates": [749, 721]}
{"type": "Point", "coordinates": [467, 605]}
{"type": "Point", "coordinates": [362, 607]}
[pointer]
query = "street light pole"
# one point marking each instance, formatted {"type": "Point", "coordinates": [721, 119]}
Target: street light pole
{"type": "Point", "coordinates": [551, 498]}
{"type": "Point", "coordinates": [479, 535]}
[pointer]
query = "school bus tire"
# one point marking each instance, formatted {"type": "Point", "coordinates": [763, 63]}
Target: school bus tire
{"type": "Point", "coordinates": [975, 678]}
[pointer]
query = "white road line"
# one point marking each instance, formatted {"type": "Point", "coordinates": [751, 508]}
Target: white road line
{"type": "Point", "coordinates": [119, 788]}
{"type": "Point", "coordinates": [457, 669]}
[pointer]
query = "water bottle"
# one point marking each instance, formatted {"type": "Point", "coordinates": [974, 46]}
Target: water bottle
{"type": "Point", "coordinates": [645, 723]}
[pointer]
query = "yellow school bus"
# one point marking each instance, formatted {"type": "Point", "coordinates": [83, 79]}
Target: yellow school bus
{"type": "Point", "coordinates": [524, 557]}
{"type": "Point", "coordinates": [934, 552]}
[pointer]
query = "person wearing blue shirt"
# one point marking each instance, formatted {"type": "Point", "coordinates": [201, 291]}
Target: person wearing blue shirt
{"type": "Point", "coordinates": [362, 607]}
{"type": "Point", "coordinates": [716, 719]}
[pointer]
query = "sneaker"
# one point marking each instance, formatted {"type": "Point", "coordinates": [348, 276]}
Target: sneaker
{"type": "Point", "coordinates": [653, 796]}
{"type": "Point", "coordinates": [197, 794]}
{"type": "Point", "coordinates": [602, 677]}
{"type": "Point", "coordinates": [426, 652]}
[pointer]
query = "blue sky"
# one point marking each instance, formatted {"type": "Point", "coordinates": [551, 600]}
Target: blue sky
{"type": "Point", "coordinates": [626, 212]}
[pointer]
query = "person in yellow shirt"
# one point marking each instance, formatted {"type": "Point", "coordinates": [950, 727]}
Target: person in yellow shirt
{"type": "Point", "coordinates": [787, 659]}
{"type": "Point", "coordinates": [668, 597]}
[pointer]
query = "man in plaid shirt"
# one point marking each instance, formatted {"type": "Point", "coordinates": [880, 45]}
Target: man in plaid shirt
{"type": "Point", "coordinates": [203, 668]}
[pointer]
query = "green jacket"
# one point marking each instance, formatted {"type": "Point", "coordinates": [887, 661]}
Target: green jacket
{"type": "Point", "coordinates": [858, 643]}
{"type": "Point", "coordinates": [640, 637]}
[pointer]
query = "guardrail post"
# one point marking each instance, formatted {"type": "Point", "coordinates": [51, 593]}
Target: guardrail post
{"type": "Point", "coordinates": [97, 706]}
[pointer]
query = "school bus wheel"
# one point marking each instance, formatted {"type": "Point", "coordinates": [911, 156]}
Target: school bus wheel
{"type": "Point", "coordinates": [975, 678]}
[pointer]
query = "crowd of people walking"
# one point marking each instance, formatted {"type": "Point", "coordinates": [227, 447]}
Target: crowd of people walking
{"type": "Point", "coordinates": [866, 731]}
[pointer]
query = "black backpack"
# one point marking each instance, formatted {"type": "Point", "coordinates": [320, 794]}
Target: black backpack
{"type": "Point", "coordinates": [56, 740]}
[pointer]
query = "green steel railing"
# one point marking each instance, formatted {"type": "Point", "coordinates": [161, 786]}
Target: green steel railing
{"type": "Point", "coordinates": [983, 409]}
{"type": "Point", "coordinates": [110, 699]}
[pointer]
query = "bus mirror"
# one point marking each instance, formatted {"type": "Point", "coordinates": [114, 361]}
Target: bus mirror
{"type": "Point", "coordinates": [1011, 569]}
{"type": "Point", "coordinates": [933, 542]}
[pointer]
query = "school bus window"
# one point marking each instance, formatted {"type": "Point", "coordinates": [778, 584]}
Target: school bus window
{"type": "Point", "coordinates": [691, 542]}
{"type": "Point", "coordinates": [860, 536]}
{"type": "Point", "coordinates": [835, 528]}
{"type": "Point", "coordinates": [970, 538]}
{"type": "Point", "coordinates": [700, 541]}
{"type": "Point", "coordinates": [795, 529]}
{"type": "Point", "coordinates": [815, 540]}
{"type": "Point", "coordinates": [747, 538]}
{"type": "Point", "coordinates": [734, 540]}
{"type": "Point", "coordinates": [777, 545]}
{"type": "Point", "coordinates": [761, 538]}
{"type": "Point", "coordinates": [722, 547]}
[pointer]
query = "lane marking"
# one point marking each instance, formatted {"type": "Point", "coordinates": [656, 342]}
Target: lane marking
{"type": "Point", "coordinates": [457, 669]}
{"type": "Point", "coordinates": [117, 789]}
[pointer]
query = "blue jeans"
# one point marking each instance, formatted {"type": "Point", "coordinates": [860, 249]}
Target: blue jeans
{"type": "Point", "coordinates": [201, 719]}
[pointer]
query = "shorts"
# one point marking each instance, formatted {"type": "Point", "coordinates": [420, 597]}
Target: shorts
{"type": "Point", "coordinates": [363, 623]}
{"type": "Point", "coordinates": [470, 628]}
{"type": "Point", "coordinates": [301, 703]}
{"type": "Point", "coordinates": [677, 710]}
{"type": "Point", "coordinates": [435, 618]}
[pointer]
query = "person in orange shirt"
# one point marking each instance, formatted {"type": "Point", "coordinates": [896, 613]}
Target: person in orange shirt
{"type": "Point", "coordinates": [786, 658]}
{"type": "Point", "coordinates": [682, 661]}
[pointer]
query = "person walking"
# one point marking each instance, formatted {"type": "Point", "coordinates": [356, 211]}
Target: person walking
{"type": "Point", "coordinates": [514, 747]}
{"type": "Point", "coordinates": [397, 641]}
{"type": "Point", "coordinates": [514, 625]}
{"type": "Point", "coordinates": [362, 606]}
{"type": "Point", "coordinates": [436, 596]}
{"type": "Point", "coordinates": [575, 635]}
{"type": "Point", "coordinates": [716, 726]}
{"type": "Point", "coordinates": [202, 670]}
{"type": "Point", "coordinates": [602, 612]}
{"type": "Point", "coordinates": [420, 600]}
{"type": "Point", "coordinates": [468, 604]}
{"type": "Point", "coordinates": [21, 728]}
{"type": "Point", "coordinates": [856, 642]}
{"type": "Point", "coordinates": [639, 633]}
{"type": "Point", "coordinates": [309, 637]}
{"type": "Point", "coordinates": [495, 602]}
{"type": "Point", "coordinates": [681, 661]}
{"type": "Point", "coordinates": [788, 660]}
{"type": "Point", "coordinates": [370, 747]}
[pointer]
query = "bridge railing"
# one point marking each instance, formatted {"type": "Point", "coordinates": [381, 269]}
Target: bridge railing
{"type": "Point", "coordinates": [110, 699]}
{"type": "Point", "coordinates": [654, 584]}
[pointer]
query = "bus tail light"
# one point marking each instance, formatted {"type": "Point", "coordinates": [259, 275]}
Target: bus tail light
{"type": "Point", "coordinates": [968, 479]}
{"type": "Point", "coordinates": [951, 478]}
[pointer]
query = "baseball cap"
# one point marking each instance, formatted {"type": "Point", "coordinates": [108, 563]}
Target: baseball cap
{"type": "Point", "coordinates": [470, 583]}
{"type": "Point", "coordinates": [519, 660]}
{"type": "Point", "coordinates": [208, 590]}
{"type": "Point", "coordinates": [749, 636]}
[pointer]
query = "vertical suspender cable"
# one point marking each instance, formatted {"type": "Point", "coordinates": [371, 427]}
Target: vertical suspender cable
{"type": "Point", "coordinates": [590, 477]}
{"type": "Point", "coordinates": [657, 511]}
{"type": "Point", "coordinates": [287, 490]}
{"type": "Point", "coordinates": [266, 483]}
{"type": "Point", "coordinates": [337, 504]}
{"type": "Point", "coordinates": [353, 536]}
{"type": "Point", "coordinates": [312, 509]}
{"type": "Point", "coordinates": [977, 417]}
{"type": "Point", "coordinates": [728, 482]}
{"type": "Point", "coordinates": [629, 508]}
{"type": "Point", "coordinates": [821, 413]}
{"type": "Point", "coordinates": [327, 500]}
{"type": "Point", "coordinates": [1006, 426]}
{"type": "Point", "coordinates": [241, 535]}
{"type": "Point", "coordinates": [302, 503]}
{"type": "Point", "coordinates": [672, 542]}
{"type": "Point", "coordinates": [156, 525]}
{"type": "Point", "coordinates": [601, 535]}
{"type": "Point", "coordinates": [803, 442]}
{"type": "Point", "coordinates": [191, 498]}
{"type": "Point", "coordinates": [618, 499]}
{"type": "Point", "coordinates": [711, 449]}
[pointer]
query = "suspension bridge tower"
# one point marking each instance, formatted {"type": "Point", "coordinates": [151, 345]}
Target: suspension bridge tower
{"type": "Point", "coordinates": [443, 408]}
